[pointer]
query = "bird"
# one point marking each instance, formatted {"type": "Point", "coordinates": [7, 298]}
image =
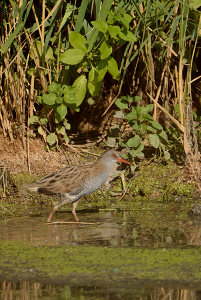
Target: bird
{"type": "Point", "coordinates": [73, 182]}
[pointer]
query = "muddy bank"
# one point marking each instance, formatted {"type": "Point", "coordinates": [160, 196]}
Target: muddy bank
{"type": "Point", "coordinates": [152, 186]}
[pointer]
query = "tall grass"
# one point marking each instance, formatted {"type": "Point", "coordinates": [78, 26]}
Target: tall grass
{"type": "Point", "coordinates": [160, 66]}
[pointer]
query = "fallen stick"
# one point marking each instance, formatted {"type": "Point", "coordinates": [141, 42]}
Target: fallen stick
{"type": "Point", "coordinates": [66, 222]}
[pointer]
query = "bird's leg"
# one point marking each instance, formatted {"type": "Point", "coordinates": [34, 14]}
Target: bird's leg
{"type": "Point", "coordinates": [64, 199]}
{"type": "Point", "coordinates": [52, 213]}
{"type": "Point", "coordinates": [74, 212]}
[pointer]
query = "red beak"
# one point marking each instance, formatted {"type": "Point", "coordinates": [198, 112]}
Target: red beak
{"type": "Point", "coordinates": [120, 159]}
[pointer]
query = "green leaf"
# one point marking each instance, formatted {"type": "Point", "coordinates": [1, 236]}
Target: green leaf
{"type": "Point", "coordinates": [143, 128]}
{"type": "Point", "coordinates": [78, 41]}
{"type": "Point", "coordinates": [121, 103]}
{"type": "Point", "coordinates": [52, 88]}
{"type": "Point", "coordinates": [154, 140]}
{"type": "Point", "coordinates": [163, 135]}
{"type": "Point", "coordinates": [131, 116]}
{"type": "Point", "coordinates": [166, 155]}
{"type": "Point", "coordinates": [148, 117]}
{"type": "Point", "coordinates": [70, 95]}
{"type": "Point", "coordinates": [49, 99]}
{"type": "Point", "coordinates": [81, 84]}
{"type": "Point", "coordinates": [137, 98]}
{"type": "Point", "coordinates": [101, 69]}
{"type": "Point", "coordinates": [31, 71]}
{"type": "Point", "coordinates": [194, 4]}
{"type": "Point", "coordinates": [156, 125]}
{"type": "Point", "coordinates": [101, 26]}
{"type": "Point", "coordinates": [124, 18]}
{"type": "Point", "coordinates": [134, 142]}
{"type": "Point", "coordinates": [135, 125]}
{"type": "Point", "coordinates": [59, 100]}
{"type": "Point", "coordinates": [114, 31]}
{"type": "Point", "coordinates": [52, 139]}
{"type": "Point", "coordinates": [61, 130]}
{"type": "Point", "coordinates": [66, 124]}
{"type": "Point", "coordinates": [151, 129]}
{"type": "Point", "coordinates": [40, 99]}
{"type": "Point", "coordinates": [137, 152]}
{"type": "Point", "coordinates": [128, 36]}
{"type": "Point", "coordinates": [72, 56]}
{"type": "Point", "coordinates": [105, 50]}
{"type": "Point", "coordinates": [94, 84]}
{"type": "Point", "coordinates": [61, 112]}
{"type": "Point", "coordinates": [43, 121]}
{"type": "Point", "coordinates": [33, 120]}
{"type": "Point", "coordinates": [41, 131]}
{"type": "Point", "coordinates": [113, 68]}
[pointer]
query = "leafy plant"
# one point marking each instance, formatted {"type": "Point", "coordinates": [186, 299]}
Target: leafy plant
{"type": "Point", "coordinates": [57, 101]}
{"type": "Point", "coordinates": [144, 131]}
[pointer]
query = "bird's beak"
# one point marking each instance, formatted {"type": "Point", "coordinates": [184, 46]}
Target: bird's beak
{"type": "Point", "coordinates": [120, 159]}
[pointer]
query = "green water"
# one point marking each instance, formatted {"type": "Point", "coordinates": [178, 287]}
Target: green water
{"type": "Point", "coordinates": [124, 255]}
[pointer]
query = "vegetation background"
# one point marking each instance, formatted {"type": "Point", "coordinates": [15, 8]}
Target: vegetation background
{"type": "Point", "coordinates": [121, 73]}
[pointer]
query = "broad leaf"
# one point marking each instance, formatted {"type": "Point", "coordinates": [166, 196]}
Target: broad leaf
{"type": "Point", "coordinates": [33, 120]}
{"type": "Point", "coordinates": [114, 31]}
{"type": "Point", "coordinates": [59, 100]}
{"type": "Point", "coordinates": [52, 139]}
{"type": "Point", "coordinates": [142, 128]}
{"type": "Point", "coordinates": [134, 142]}
{"type": "Point", "coordinates": [101, 69]}
{"type": "Point", "coordinates": [70, 95]}
{"type": "Point", "coordinates": [78, 41]}
{"type": "Point", "coordinates": [81, 84]}
{"type": "Point", "coordinates": [61, 130]}
{"type": "Point", "coordinates": [122, 104]}
{"type": "Point", "coordinates": [61, 112]}
{"type": "Point", "coordinates": [49, 99]}
{"type": "Point", "coordinates": [52, 88]}
{"type": "Point", "coordinates": [66, 124]}
{"type": "Point", "coordinates": [72, 56]}
{"type": "Point", "coordinates": [154, 140]}
{"type": "Point", "coordinates": [131, 116]}
{"type": "Point", "coordinates": [94, 84]}
{"type": "Point", "coordinates": [43, 121]}
{"type": "Point", "coordinates": [156, 125]}
{"type": "Point", "coordinates": [105, 50]}
{"type": "Point", "coordinates": [163, 135]}
{"type": "Point", "coordinates": [113, 68]}
{"type": "Point", "coordinates": [41, 131]}
{"type": "Point", "coordinates": [128, 36]}
{"type": "Point", "coordinates": [101, 26]}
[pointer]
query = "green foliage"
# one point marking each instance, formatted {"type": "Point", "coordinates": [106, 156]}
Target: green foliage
{"type": "Point", "coordinates": [65, 55]}
{"type": "Point", "coordinates": [59, 99]}
{"type": "Point", "coordinates": [144, 132]}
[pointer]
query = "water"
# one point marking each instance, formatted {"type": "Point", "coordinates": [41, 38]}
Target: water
{"type": "Point", "coordinates": [36, 291]}
{"type": "Point", "coordinates": [138, 230]}
{"type": "Point", "coordinates": [112, 229]}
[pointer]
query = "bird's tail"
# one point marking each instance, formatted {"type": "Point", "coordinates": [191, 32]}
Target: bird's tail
{"type": "Point", "coordinates": [32, 187]}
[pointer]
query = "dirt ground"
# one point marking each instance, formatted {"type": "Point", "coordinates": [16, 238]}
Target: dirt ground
{"type": "Point", "coordinates": [35, 159]}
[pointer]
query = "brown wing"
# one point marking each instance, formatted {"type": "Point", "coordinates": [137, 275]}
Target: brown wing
{"type": "Point", "coordinates": [66, 180]}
